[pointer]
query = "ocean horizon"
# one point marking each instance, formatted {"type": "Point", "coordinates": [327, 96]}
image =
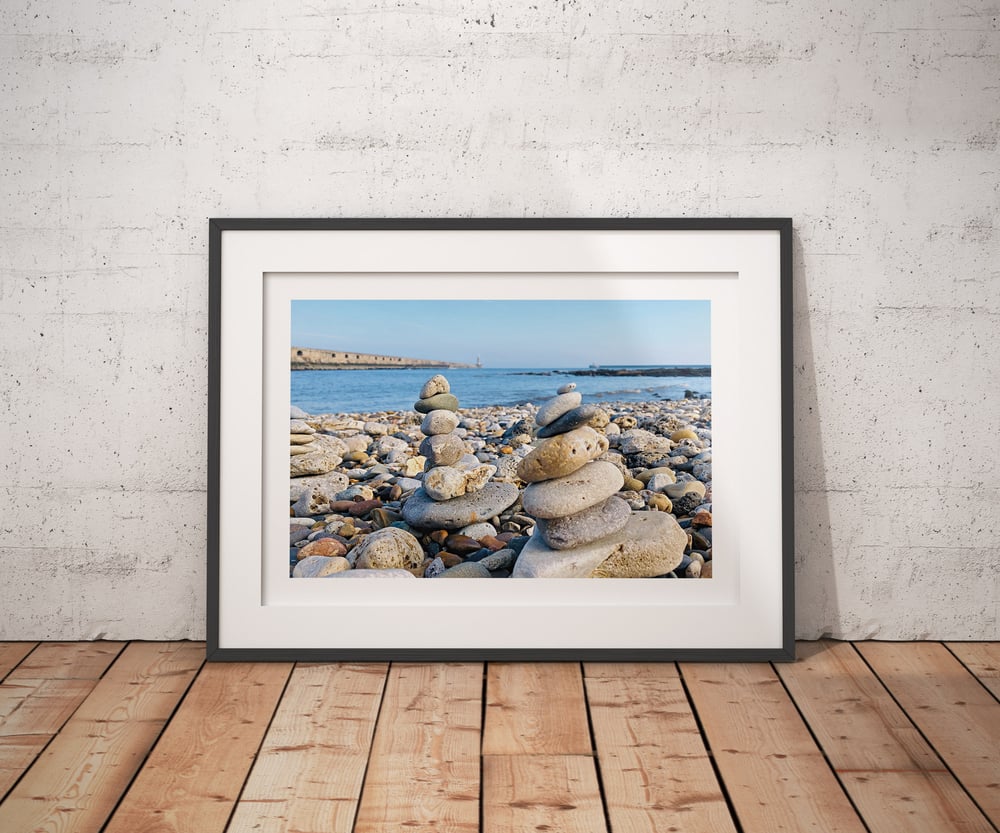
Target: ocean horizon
{"type": "Point", "coordinates": [395, 389]}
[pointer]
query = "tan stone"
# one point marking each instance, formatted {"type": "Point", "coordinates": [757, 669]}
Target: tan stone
{"type": "Point", "coordinates": [562, 455]}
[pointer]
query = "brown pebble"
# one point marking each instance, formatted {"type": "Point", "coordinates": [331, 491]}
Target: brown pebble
{"type": "Point", "coordinates": [702, 518]}
{"type": "Point", "coordinates": [325, 546]}
{"type": "Point", "coordinates": [396, 492]}
{"type": "Point", "coordinates": [450, 559]}
{"type": "Point", "coordinates": [363, 507]}
{"type": "Point", "coordinates": [491, 543]}
{"type": "Point", "coordinates": [438, 536]}
{"type": "Point", "coordinates": [706, 570]}
{"type": "Point", "coordinates": [347, 531]}
{"type": "Point", "coordinates": [506, 449]}
{"type": "Point", "coordinates": [462, 544]}
{"type": "Point", "coordinates": [506, 536]}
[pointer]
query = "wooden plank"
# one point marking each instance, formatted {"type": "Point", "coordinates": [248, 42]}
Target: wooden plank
{"type": "Point", "coordinates": [39, 707]}
{"type": "Point", "coordinates": [541, 792]}
{"type": "Point", "coordinates": [16, 755]}
{"type": "Point", "coordinates": [655, 769]}
{"type": "Point", "coordinates": [11, 653]}
{"type": "Point", "coordinates": [310, 769]}
{"type": "Point", "coordinates": [194, 775]}
{"type": "Point", "coordinates": [424, 767]}
{"type": "Point", "coordinates": [959, 717]}
{"type": "Point", "coordinates": [535, 708]}
{"type": "Point", "coordinates": [67, 660]}
{"type": "Point", "coordinates": [903, 801]}
{"type": "Point", "coordinates": [776, 777]}
{"type": "Point", "coordinates": [80, 776]}
{"type": "Point", "coordinates": [982, 659]}
{"type": "Point", "coordinates": [855, 721]}
{"type": "Point", "coordinates": [33, 710]}
{"type": "Point", "coordinates": [888, 769]}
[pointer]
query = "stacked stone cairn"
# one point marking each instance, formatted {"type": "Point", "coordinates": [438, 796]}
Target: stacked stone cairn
{"type": "Point", "coordinates": [456, 491]}
{"type": "Point", "coordinates": [582, 528]}
{"type": "Point", "coordinates": [314, 459]}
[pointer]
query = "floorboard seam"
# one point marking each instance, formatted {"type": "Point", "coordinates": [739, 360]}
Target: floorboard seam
{"type": "Point", "coordinates": [822, 751]}
{"type": "Point", "coordinates": [730, 806]}
{"type": "Point", "coordinates": [975, 676]}
{"type": "Point", "coordinates": [594, 752]}
{"type": "Point", "coordinates": [913, 723]}
{"type": "Point", "coordinates": [371, 746]}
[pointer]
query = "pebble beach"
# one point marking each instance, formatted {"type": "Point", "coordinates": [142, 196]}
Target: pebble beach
{"type": "Point", "coordinates": [554, 489]}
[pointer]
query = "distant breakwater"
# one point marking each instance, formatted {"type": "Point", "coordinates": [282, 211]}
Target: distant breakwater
{"type": "Point", "coordinates": [682, 371]}
{"type": "Point", "coordinates": [308, 358]}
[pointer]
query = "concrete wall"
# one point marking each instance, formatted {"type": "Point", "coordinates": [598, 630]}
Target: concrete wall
{"type": "Point", "coordinates": [128, 124]}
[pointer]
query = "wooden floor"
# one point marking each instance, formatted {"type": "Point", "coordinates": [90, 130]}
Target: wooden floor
{"type": "Point", "coordinates": [146, 738]}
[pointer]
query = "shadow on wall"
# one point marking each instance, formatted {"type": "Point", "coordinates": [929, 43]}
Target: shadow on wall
{"type": "Point", "coordinates": [817, 609]}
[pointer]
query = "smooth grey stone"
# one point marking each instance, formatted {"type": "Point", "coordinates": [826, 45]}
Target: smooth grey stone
{"type": "Point", "coordinates": [557, 406]}
{"type": "Point", "coordinates": [569, 386]}
{"type": "Point", "coordinates": [568, 421]}
{"type": "Point", "coordinates": [467, 569]}
{"type": "Point", "coordinates": [499, 560]}
{"type": "Point", "coordinates": [298, 413]}
{"type": "Point", "coordinates": [440, 401]}
{"type": "Point", "coordinates": [649, 545]}
{"type": "Point", "coordinates": [298, 533]}
{"type": "Point", "coordinates": [659, 482]}
{"type": "Point", "coordinates": [586, 526]}
{"type": "Point", "coordinates": [372, 574]}
{"type": "Point", "coordinates": [571, 494]}
{"type": "Point", "coordinates": [422, 512]}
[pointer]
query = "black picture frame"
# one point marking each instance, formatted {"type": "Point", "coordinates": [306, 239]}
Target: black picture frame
{"type": "Point", "coordinates": [225, 234]}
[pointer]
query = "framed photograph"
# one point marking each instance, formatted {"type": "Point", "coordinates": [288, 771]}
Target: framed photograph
{"type": "Point", "coordinates": [565, 413]}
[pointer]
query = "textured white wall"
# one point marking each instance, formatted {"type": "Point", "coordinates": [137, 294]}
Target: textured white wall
{"type": "Point", "coordinates": [127, 124]}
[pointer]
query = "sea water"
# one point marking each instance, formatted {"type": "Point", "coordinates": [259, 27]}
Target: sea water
{"type": "Point", "coordinates": [388, 389]}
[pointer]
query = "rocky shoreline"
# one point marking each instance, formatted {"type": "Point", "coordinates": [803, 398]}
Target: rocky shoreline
{"type": "Point", "coordinates": [556, 489]}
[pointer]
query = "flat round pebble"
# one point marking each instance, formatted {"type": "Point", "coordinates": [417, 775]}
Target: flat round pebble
{"type": "Point", "coordinates": [574, 418]}
{"type": "Point", "coordinates": [438, 402]}
{"type": "Point", "coordinates": [574, 530]}
{"type": "Point", "coordinates": [557, 406]}
{"type": "Point", "coordinates": [586, 487]}
{"type": "Point", "coordinates": [439, 422]}
{"type": "Point", "coordinates": [424, 513]}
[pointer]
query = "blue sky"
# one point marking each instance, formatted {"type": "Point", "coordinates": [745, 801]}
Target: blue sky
{"type": "Point", "coordinates": [511, 333]}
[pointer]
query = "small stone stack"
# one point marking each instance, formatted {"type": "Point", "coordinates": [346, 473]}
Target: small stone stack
{"type": "Point", "coordinates": [456, 489]}
{"type": "Point", "coordinates": [314, 459]}
{"type": "Point", "coordinates": [312, 452]}
{"type": "Point", "coordinates": [582, 528]}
